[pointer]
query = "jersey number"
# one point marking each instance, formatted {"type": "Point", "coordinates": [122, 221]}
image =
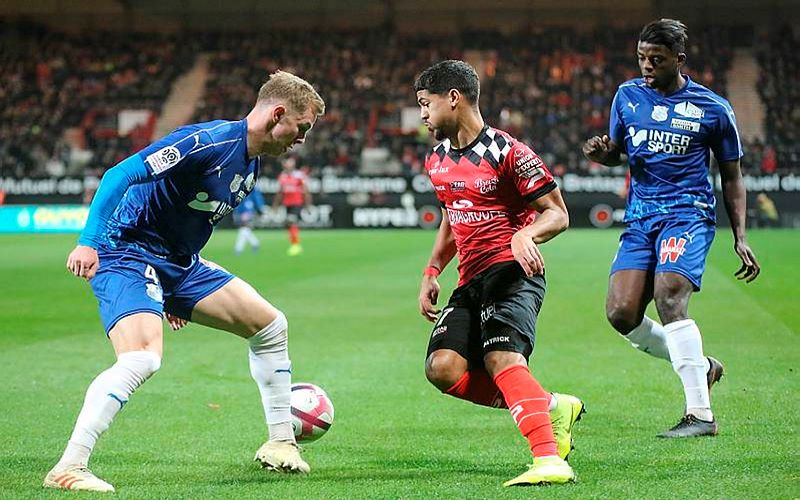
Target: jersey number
{"type": "Point", "coordinates": [150, 274]}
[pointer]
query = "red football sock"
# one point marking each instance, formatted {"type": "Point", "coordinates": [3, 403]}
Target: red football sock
{"type": "Point", "coordinates": [294, 234]}
{"type": "Point", "coordinates": [528, 403]}
{"type": "Point", "coordinates": [477, 386]}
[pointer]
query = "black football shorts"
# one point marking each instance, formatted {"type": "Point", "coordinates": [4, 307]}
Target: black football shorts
{"type": "Point", "coordinates": [495, 311]}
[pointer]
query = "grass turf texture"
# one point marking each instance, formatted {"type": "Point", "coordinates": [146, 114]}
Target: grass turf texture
{"type": "Point", "coordinates": [192, 430]}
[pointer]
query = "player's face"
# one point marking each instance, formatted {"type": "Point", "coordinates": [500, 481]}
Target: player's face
{"type": "Point", "coordinates": [435, 111]}
{"type": "Point", "coordinates": [289, 164]}
{"type": "Point", "coordinates": [290, 130]}
{"type": "Point", "coordinates": [659, 65]}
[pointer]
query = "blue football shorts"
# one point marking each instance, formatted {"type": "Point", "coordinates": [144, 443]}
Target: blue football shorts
{"type": "Point", "coordinates": [132, 281]}
{"type": "Point", "coordinates": [666, 245]}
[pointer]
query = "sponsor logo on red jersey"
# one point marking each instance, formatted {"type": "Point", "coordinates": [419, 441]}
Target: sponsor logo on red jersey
{"type": "Point", "coordinates": [458, 186]}
{"type": "Point", "coordinates": [486, 186]}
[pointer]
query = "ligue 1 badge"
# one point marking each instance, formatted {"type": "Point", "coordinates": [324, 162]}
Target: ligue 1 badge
{"type": "Point", "coordinates": [659, 113]}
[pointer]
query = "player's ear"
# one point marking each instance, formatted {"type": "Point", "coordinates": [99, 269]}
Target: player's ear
{"type": "Point", "coordinates": [277, 113]}
{"type": "Point", "coordinates": [681, 57]}
{"type": "Point", "coordinates": [454, 96]}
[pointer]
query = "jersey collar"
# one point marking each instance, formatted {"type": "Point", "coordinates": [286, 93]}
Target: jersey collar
{"type": "Point", "coordinates": [686, 86]}
{"type": "Point", "coordinates": [461, 151]}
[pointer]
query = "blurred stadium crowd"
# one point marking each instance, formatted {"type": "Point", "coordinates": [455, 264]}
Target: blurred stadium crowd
{"type": "Point", "coordinates": [551, 88]}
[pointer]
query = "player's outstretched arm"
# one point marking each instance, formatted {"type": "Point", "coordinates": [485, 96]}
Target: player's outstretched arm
{"type": "Point", "coordinates": [735, 196]}
{"type": "Point", "coordinates": [602, 150]}
{"type": "Point", "coordinates": [444, 249]}
{"type": "Point", "coordinates": [552, 220]}
{"type": "Point", "coordinates": [83, 261]}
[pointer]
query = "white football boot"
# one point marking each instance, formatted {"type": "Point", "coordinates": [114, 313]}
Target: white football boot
{"type": "Point", "coordinates": [282, 457]}
{"type": "Point", "coordinates": [75, 477]}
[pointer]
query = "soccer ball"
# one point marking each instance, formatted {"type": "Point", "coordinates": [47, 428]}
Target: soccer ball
{"type": "Point", "coordinates": [312, 412]}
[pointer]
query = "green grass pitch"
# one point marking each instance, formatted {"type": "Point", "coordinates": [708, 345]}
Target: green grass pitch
{"type": "Point", "coordinates": [351, 300]}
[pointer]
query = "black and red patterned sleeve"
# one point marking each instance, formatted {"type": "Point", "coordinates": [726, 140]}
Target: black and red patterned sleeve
{"type": "Point", "coordinates": [528, 171]}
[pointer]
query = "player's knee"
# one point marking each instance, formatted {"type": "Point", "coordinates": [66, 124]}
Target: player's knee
{"type": "Point", "coordinates": [623, 318]}
{"type": "Point", "coordinates": [497, 361]}
{"type": "Point", "coordinates": [443, 371]}
{"type": "Point", "coordinates": [272, 338]}
{"type": "Point", "coordinates": [144, 364]}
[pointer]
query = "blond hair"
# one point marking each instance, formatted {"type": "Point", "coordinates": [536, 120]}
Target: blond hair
{"type": "Point", "coordinates": [297, 93]}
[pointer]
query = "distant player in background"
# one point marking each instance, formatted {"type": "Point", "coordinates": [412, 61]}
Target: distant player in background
{"type": "Point", "coordinates": [244, 216]}
{"type": "Point", "coordinates": [292, 194]}
{"type": "Point", "coordinates": [151, 216]}
{"type": "Point", "coordinates": [666, 124]}
{"type": "Point", "coordinates": [490, 185]}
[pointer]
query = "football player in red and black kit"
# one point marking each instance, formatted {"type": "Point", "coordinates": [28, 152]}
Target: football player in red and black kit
{"type": "Point", "coordinates": [491, 186]}
{"type": "Point", "coordinates": [294, 195]}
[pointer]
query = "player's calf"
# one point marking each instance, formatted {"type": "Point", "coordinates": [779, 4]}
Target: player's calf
{"type": "Point", "coordinates": [478, 387]}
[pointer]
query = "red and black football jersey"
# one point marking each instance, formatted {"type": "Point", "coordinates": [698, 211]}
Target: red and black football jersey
{"type": "Point", "coordinates": [292, 185]}
{"type": "Point", "coordinates": [486, 189]}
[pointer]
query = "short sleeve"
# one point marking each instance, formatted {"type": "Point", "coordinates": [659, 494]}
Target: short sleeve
{"type": "Point", "coordinates": [616, 128]}
{"type": "Point", "coordinates": [528, 172]}
{"type": "Point", "coordinates": [725, 142]}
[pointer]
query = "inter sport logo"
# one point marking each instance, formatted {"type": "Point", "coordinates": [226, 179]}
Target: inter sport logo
{"type": "Point", "coordinates": [660, 141]}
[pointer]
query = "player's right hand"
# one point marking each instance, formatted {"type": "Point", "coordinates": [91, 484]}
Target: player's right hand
{"type": "Point", "coordinates": [175, 322]}
{"type": "Point", "coordinates": [83, 262]}
{"type": "Point", "coordinates": [428, 295]}
{"type": "Point", "coordinates": [597, 148]}
{"type": "Point", "coordinates": [527, 254]}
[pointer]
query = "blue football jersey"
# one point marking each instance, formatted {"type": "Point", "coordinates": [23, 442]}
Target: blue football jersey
{"type": "Point", "coordinates": [668, 140]}
{"type": "Point", "coordinates": [200, 173]}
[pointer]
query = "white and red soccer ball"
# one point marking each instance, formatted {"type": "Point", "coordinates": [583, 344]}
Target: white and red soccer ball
{"type": "Point", "coordinates": [312, 412]}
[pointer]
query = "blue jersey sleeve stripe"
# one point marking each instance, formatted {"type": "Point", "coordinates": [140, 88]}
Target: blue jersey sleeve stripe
{"type": "Point", "coordinates": [111, 190]}
{"type": "Point", "coordinates": [212, 145]}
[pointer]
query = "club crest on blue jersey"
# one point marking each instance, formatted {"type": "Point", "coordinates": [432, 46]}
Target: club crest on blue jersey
{"type": "Point", "coordinates": [659, 113]}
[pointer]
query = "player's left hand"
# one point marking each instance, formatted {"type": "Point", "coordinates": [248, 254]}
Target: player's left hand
{"type": "Point", "coordinates": [527, 253]}
{"type": "Point", "coordinates": [175, 322]}
{"type": "Point", "coordinates": [83, 262]}
{"type": "Point", "coordinates": [750, 268]}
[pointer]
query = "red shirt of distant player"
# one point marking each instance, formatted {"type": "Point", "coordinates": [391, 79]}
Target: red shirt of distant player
{"type": "Point", "coordinates": [486, 189]}
{"type": "Point", "coordinates": [292, 185]}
